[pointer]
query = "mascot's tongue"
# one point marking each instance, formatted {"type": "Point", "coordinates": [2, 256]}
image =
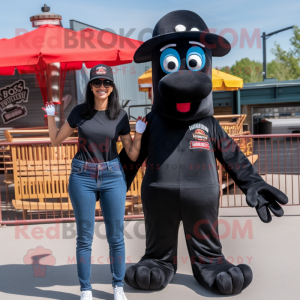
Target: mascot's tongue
{"type": "Point", "coordinates": [183, 107]}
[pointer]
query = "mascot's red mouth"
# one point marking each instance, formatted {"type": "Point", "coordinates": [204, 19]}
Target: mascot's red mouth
{"type": "Point", "coordinates": [183, 107]}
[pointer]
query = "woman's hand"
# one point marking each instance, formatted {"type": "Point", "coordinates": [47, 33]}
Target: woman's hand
{"type": "Point", "coordinates": [56, 135]}
{"type": "Point", "coordinates": [133, 148]}
{"type": "Point", "coordinates": [140, 125]}
{"type": "Point", "coordinates": [49, 109]}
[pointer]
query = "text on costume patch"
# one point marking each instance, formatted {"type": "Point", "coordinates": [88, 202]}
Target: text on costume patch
{"type": "Point", "coordinates": [199, 135]}
{"type": "Point", "coordinates": [198, 125]}
{"type": "Point", "coordinates": [196, 145]}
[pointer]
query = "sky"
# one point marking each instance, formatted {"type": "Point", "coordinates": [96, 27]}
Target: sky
{"type": "Point", "coordinates": [241, 17]}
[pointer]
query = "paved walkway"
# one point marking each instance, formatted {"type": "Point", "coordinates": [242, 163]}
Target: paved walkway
{"type": "Point", "coordinates": [272, 251]}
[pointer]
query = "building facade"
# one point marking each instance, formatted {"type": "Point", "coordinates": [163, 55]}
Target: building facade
{"type": "Point", "coordinates": [274, 101]}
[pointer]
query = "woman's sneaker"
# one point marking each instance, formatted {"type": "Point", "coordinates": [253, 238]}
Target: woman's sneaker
{"type": "Point", "coordinates": [119, 293]}
{"type": "Point", "coordinates": [86, 295]}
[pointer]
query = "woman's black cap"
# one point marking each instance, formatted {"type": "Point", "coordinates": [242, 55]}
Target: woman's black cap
{"type": "Point", "coordinates": [101, 71]}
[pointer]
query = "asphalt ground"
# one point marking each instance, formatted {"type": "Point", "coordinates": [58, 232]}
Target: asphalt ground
{"type": "Point", "coordinates": [271, 250]}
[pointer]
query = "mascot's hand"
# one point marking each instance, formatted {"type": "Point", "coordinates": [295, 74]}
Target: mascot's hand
{"type": "Point", "coordinates": [263, 197]}
{"type": "Point", "coordinates": [140, 125]}
{"type": "Point", "coordinates": [50, 109]}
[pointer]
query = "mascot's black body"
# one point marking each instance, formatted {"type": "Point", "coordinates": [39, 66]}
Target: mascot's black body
{"type": "Point", "coordinates": [181, 143]}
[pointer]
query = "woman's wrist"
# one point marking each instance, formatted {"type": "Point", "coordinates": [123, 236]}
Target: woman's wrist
{"type": "Point", "coordinates": [49, 109]}
{"type": "Point", "coordinates": [137, 134]}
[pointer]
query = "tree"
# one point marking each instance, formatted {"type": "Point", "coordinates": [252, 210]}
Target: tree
{"type": "Point", "coordinates": [279, 70]}
{"type": "Point", "coordinates": [291, 58]}
{"type": "Point", "coordinates": [286, 65]}
{"type": "Point", "coordinates": [248, 70]}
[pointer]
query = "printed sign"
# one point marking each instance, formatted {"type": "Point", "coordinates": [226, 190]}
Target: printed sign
{"type": "Point", "coordinates": [9, 97]}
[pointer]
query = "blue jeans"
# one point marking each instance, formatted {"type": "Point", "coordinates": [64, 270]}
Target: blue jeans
{"type": "Point", "coordinates": [88, 181]}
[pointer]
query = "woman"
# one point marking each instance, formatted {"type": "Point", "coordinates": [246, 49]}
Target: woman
{"type": "Point", "coordinates": [96, 172]}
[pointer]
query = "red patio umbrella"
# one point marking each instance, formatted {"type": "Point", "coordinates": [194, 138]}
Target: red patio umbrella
{"type": "Point", "coordinates": [50, 51]}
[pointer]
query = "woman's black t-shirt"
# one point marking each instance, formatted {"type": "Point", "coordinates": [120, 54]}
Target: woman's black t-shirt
{"type": "Point", "coordinates": [97, 137]}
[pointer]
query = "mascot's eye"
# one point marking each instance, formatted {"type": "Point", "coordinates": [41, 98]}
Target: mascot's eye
{"type": "Point", "coordinates": [195, 59]}
{"type": "Point", "coordinates": [170, 60]}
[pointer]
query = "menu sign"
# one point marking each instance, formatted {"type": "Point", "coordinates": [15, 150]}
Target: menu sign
{"type": "Point", "coordinates": [9, 97]}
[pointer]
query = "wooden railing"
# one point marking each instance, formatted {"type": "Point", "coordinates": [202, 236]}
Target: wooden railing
{"type": "Point", "coordinates": [40, 178]}
{"type": "Point", "coordinates": [39, 172]}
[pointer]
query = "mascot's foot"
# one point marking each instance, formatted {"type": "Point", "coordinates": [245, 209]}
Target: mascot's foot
{"type": "Point", "coordinates": [225, 278]}
{"type": "Point", "coordinates": [149, 274]}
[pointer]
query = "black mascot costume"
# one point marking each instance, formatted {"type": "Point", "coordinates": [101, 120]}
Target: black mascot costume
{"type": "Point", "coordinates": [181, 143]}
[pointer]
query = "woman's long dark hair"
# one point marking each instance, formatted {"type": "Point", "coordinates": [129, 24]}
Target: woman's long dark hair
{"type": "Point", "coordinates": [113, 106]}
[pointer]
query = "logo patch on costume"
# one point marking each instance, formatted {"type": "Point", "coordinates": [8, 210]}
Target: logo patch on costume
{"type": "Point", "coordinates": [199, 135]}
{"type": "Point", "coordinates": [196, 145]}
{"type": "Point", "coordinates": [101, 71]}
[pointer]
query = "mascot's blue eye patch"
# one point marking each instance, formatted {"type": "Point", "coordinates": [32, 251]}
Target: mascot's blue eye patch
{"type": "Point", "coordinates": [170, 60]}
{"type": "Point", "coordinates": [195, 58]}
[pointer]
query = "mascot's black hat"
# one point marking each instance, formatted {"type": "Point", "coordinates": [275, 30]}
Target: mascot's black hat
{"type": "Point", "coordinates": [182, 23]}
